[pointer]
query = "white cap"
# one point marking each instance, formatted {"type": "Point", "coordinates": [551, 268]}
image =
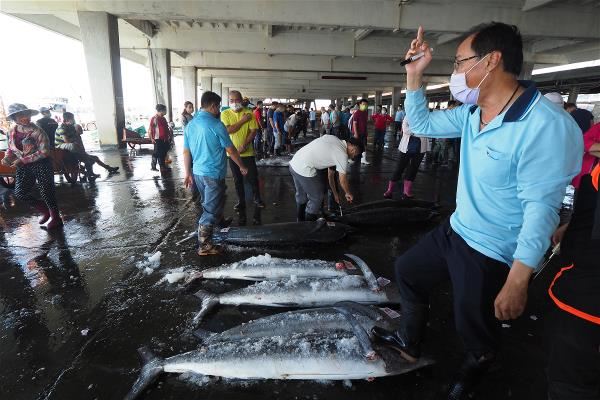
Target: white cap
{"type": "Point", "coordinates": [555, 97]}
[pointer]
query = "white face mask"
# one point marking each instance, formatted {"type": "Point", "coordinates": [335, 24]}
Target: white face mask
{"type": "Point", "coordinates": [459, 88]}
{"type": "Point", "coordinates": [236, 106]}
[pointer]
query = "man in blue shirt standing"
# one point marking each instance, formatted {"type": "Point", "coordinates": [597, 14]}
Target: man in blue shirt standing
{"type": "Point", "coordinates": [517, 156]}
{"type": "Point", "coordinates": [205, 141]}
{"type": "Point", "coordinates": [398, 120]}
{"type": "Point", "coordinates": [279, 129]}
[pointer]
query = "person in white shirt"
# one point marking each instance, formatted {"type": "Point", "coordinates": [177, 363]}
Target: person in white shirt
{"type": "Point", "coordinates": [412, 150]}
{"type": "Point", "coordinates": [325, 122]}
{"type": "Point", "coordinates": [322, 153]}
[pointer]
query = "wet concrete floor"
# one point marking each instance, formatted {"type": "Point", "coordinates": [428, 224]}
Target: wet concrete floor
{"type": "Point", "coordinates": [75, 304]}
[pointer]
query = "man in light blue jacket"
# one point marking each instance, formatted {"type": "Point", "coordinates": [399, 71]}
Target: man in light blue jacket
{"type": "Point", "coordinates": [517, 156]}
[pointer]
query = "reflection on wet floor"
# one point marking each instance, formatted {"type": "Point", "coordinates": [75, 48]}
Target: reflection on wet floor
{"type": "Point", "coordinates": [75, 305]}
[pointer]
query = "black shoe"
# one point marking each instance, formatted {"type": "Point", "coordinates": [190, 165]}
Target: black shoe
{"type": "Point", "coordinates": [239, 206]}
{"type": "Point", "coordinates": [225, 222]}
{"type": "Point", "coordinates": [301, 212]}
{"type": "Point", "coordinates": [469, 376]}
{"type": "Point", "coordinates": [311, 217]}
{"type": "Point", "coordinates": [153, 168]}
{"type": "Point", "coordinates": [396, 342]}
{"type": "Point", "coordinates": [113, 170]}
{"type": "Point", "coordinates": [259, 203]}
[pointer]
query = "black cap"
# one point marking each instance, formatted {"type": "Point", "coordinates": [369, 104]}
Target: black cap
{"type": "Point", "coordinates": [355, 142]}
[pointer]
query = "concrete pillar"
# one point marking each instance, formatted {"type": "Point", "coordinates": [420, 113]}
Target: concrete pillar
{"type": "Point", "coordinates": [100, 38]}
{"type": "Point", "coordinates": [190, 85]}
{"type": "Point", "coordinates": [160, 63]}
{"type": "Point", "coordinates": [378, 97]}
{"type": "Point", "coordinates": [206, 83]}
{"type": "Point", "coordinates": [396, 97]}
{"type": "Point", "coordinates": [225, 96]}
{"type": "Point", "coordinates": [526, 71]}
{"type": "Point", "coordinates": [217, 88]}
{"type": "Point", "coordinates": [573, 93]}
{"type": "Point", "coordinates": [354, 100]}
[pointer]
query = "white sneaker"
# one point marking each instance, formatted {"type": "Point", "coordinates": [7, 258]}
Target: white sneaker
{"type": "Point", "coordinates": [350, 161]}
{"type": "Point", "coordinates": [364, 161]}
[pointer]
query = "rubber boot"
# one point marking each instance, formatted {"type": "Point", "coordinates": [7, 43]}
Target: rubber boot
{"type": "Point", "coordinates": [470, 374]}
{"type": "Point", "coordinates": [55, 220]}
{"type": "Point", "coordinates": [310, 217]}
{"type": "Point", "coordinates": [153, 164]}
{"type": "Point", "coordinates": [301, 212]}
{"type": "Point", "coordinates": [207, 248]}
{"type": "Point", "coordinates": [41, 207]}
{"type": "Point", "coordinates": [407, 339]}
{"type": "Point", "coordinates": [390, 190]}
{"type": "Point", "coordinates": [408, 189]}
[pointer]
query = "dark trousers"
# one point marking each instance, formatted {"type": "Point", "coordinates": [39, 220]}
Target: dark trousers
{"type": "Point", "coordinates": [379, 137]}
{"type": "Point", "coordinates": [161, 148]}
{"type": "Point", "coordinates": [309, 191]}
{"type": "Point", "coordinates": [269, 141]}
{"type": "Point", "coordinates": [363, 140]}
{"type": "Point", "coordinates": [476, 279]}
{"type": "Point", "coordinates": [28, 174]}
{"type": "Point", "coordinates": [397, 127]}
{"type": "Point", "coordinates": [409, 162]}
{"type": "Point", "coordinates": [251, 177]}
{"type": "Point", "coordinates": [258, 142]}
{"type": "Point", "coordinates": [573, 357]}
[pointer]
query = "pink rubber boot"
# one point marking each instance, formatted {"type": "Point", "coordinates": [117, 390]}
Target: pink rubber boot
{"type": "Point", "coordinates": [390, 190]}
{"type": "Point", "coordinates": [408, 189]}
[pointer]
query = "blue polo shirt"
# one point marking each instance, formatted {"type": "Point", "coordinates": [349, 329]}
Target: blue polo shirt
{"type": "Point", "coordinates": [206, 138]}
{"type": "Point", "coordinates": [279, 120]}
{"type": "Point", "coordinates": [513, 173]}
{"type": "Point", "coordinates": [399, 116]}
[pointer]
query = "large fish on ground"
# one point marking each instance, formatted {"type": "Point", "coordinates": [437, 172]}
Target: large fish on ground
{"type": "Point", "coordinates": [387, 216]}
{"type": "Point", "coordinates": [285, 233]}
{"type": "Point", "coordinates": [392, 203]}
{"type": "Point", "coordinates": [266, 268]}
{"type": "Point", "coordinates": [277, 161]}
{"type": "Point", "coordinates": [301, 293]}
{"type": "Point", "coordinates": [331, 355]}
{"type": "Point", "coordinates": [323, 319]}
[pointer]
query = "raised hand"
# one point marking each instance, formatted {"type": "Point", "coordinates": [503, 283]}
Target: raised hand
{"type": "Point", "coordinates": [415, 69]}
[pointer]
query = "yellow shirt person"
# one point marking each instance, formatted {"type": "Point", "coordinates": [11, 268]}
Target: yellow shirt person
{"type": "Point", "coordinates": [240, 137]}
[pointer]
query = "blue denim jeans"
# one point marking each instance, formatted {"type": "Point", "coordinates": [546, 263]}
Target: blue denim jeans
{"type": "Point", "coordinates": [212, 195]}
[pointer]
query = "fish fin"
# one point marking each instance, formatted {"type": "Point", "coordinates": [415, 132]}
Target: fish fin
{"type": "Point", "coordinates": [152, 367]}
{"type": "Point", "coordinates": [286, 304]}
{"type": "Point", "coordinates": [209, 301]}
{"type": "Point", "coordinates": [367, 273]}
{"type": "Point", "coordinates": [203, 334]}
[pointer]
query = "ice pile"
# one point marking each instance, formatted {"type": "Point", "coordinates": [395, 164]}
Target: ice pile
{"type": "Point", "coordinates": [151, 263]}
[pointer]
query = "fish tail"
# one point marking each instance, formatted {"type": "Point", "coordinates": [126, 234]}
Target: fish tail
{"type": "Point", "coordinates": [152, 367]}
{"type": "Point", "coordinates": [209, 301]}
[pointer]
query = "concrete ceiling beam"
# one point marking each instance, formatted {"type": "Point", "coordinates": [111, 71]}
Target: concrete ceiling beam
{"type": "Point", "coordinates": [559, 21]}
{"type": "Point", "coordinates": [146, 27]}
{"type": "Point", "coordinates": [533, 4]}
{"type": "Point", "coordinates": [237, 61]}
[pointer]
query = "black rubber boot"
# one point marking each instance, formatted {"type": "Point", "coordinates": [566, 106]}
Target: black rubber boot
{"type": "Point", "coordinates": [407, 339]}
{"type": "Point", "coordinates": [301, 212]}
{"type": "Point", "coordinates": [153, 164]}
{"type": "Point", "coordinates": [470, 375]}
{"type": "Point", "coordinates": [310, 217]}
